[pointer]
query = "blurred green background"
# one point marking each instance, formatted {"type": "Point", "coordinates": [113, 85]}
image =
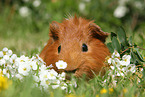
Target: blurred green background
{"type": "Point", "coordinates": [24, 24]}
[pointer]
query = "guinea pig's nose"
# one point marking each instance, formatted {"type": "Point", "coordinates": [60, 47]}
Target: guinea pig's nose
{"type": "Point", "coordinates": [70, 71]}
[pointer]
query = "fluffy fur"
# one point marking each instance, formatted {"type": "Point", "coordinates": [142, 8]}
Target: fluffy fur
{"type": "Point", "coordinates": [70, 35]}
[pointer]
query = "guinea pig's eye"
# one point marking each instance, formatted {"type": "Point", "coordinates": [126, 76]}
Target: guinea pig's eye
{"type": "Point", "coordinates": [59, 49]}
{"type": "Point", "coordinates": [84, 48]}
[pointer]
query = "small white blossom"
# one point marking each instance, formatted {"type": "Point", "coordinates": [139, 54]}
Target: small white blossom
{"type": "Point", "coordinates": [5, 49]}
{"type": "Point", "coordinates": [9, 52]}
{"type": "Point", "coordinates": [1, 54]}
{"type": "Point", "coordinates": [120, 11]}
{"type": "Point", "coordinates": [24, 69]}
{"type": "Point", "coordinates": [109, 60]}
{"type": "Point", "coordinates": [33, 65]}
{"type": "Point", "coordinates": [6, 57]}
{"type": "Point", "coordinates": [2, 62]}
{"type": "Point", "coordinates": [115, 54]}
{"type": "Point", "coordinates": [61, 64]}
{"type": "Point", "coordinates": [126, 60]}
{"type": "Point", "coordinates": [43, 75]}
{"type": "Point", "coordinates": [82, 6]}
{"type": "Point", "coordinates": [36, 3]}
{"type": "Point", "coordinates": [24, 11]}
{"type": "Point", "coordinates": [52, 74]}
{"type": "Point", "coordinates": [19, 76]}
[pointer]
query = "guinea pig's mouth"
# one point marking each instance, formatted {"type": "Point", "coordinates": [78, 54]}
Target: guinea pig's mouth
{"type": "Point", "coordinates": [69, 74]}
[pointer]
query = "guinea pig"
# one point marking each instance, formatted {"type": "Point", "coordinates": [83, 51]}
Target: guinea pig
{"type": "Point", "coordinates": [80, 43]}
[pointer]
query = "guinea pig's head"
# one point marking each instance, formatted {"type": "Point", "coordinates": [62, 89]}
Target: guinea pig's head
{"type": "Point", "coordinates": [80, 43]}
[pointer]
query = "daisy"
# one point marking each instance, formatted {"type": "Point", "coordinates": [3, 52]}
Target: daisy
{"type": "Point", "coordinates": [24, 69]}
{"type": "Point", "coordinates": [126, 60]}
{"type": "Point", "coordinates": [61, 64]}
{"type": "Point", "coordinates": [52, 74]}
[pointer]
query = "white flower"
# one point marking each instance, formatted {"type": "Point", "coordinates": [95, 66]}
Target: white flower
{"type": "Point", "coordinates": [19, 76]}
{"type": "Point", "coordinates": [120, 74]}
{"type": "Point", "coordinates": [24, 11]}
{"type": "Point", "coordinates": [43, 75]}
{"type": "Point", "coordinates": [120, 11]}
{"type": "Point", "coordinates": [56, 84]}
{"type": "Point", "coordinates": [138, 5]}
{"type": "Point", "coordinates": [36, 3]}
{"type": "Point", "coordinates": [6, 57]}
{"type": "Point", "coordinates": [126, 60]}
{"type": "Point", "coordinates": [33, 65]}
{"type": "Point", "coordinates": [61, 64]}
{"type": "Point", "coordinates": [35, 78]}
{"type": "Point", "coordinates": [52, 74]}
{"type": "Point", "coordinates": [6, 72]}
{"type": "Point", "coordinates": [5, 49]}
{"type": "Point", "coordinates": [9, 52]}
{"type": "Point", "coordinates": [116, 62]}
{"type": "Point", "coordinates": [14, 56]}
{"type": "Point", "coordinates": [63, 85]}
{"type": "Point", "coordinates": [45, 83]}
{"type": "Point", "coordinates": [1, 54]}
{"type": "Point", "coordinates": [22, 59]}
{"type": "Point", "coordinates": [2, 62]}
{"type": "Point", "coordinates": [62, 76]}
{"type": "Point", "coordinates": [115, 54]}
{"type": "Point", "coordinates": [82, 6]}
{"type": "Point", "coordinates": [109, 60]}
{"type": "Point", "coordinates": [24, 68]}
{"type": "Point", "coordinates": [131, 68]}
{"type": "Point", "coordinates": [42, 67]}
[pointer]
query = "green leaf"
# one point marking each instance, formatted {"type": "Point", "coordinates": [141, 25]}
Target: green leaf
{"type": "Point", "coordinates": [113, 35]}
{"type": "Point", "coordinates": [109, 45]}
{"type": "Point", "coordinates": [122, 36]}
{"type": "Point", "coordinates": [133, 58]}
{"type": "Point", "coordinates": [139, 56]}
{"type": "Point", "coordinates": [116, 44]}
{"type": "Point", "coordinates": [130, 41]}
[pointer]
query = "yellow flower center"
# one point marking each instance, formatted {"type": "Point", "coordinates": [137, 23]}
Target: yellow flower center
{"type": "Point", "coordinates": [45, 76]}
{"type": "Point", "coordinates": [61, 65]}
{"type": "Point", "coordinates": [47, 82]}
{"type": "Point", "coordinates": [4, 53]}
{"type": "Point", "coordinates": [103, 91]}
{"type": "Point", "coordinates": [24, 69]}
{"type": "Point", "coordinates": [125, 60]}
{"type": "Point", "coordinates": [51, 75]}
{"type": "Point", "coordinates": [21, 60]}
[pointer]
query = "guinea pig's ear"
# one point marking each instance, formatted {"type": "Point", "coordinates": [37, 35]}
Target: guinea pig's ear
{"type": "Point", "coordinates": [54, 30]}
{"type": "Point", "coordinates": [96, 32]}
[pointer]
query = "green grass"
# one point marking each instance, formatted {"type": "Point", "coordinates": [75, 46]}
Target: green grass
{"type": "Point", "coordinates": [127, 87]}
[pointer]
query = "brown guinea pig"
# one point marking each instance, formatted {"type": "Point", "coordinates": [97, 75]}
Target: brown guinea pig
{"type": "Point", "coordinates": [80, 43]}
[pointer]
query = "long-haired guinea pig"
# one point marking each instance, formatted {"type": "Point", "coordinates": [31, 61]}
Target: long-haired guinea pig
{"type": "Point", "coordinates": [78, 42]}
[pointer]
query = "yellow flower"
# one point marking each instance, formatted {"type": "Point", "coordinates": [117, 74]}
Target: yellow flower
{"type": "Point", "coordinates": [97, 95]}
{"type": "Point", "coordinates": [124, 90]}
{"type": "Point", "coordinates": [110, 90]}
{"type": "Point", "coordinates": [73, 95]}
{"type": "Point", "coordinates": [4, 83]}
{"type": "Point", "coordinates": [103, 91]}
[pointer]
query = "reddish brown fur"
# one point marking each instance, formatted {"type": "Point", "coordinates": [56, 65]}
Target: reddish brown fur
{"type": "Point", "coordinates": [71, 34]}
